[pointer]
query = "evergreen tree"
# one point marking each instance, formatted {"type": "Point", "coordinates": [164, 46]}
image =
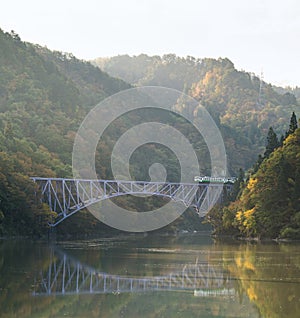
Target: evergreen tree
{"type": "Point", "coordinates": [272, 143]}
{"type": "Point", "coordinates": [293, 125]}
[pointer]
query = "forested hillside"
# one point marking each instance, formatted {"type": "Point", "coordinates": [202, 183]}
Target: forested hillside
{"type": "Point", "coordinates": [268, 204]}
{"type": "Point", "coordinates": [45, 95]}
{"type": "Point", "coordinates": [243, 106]}
{"type": "Point", "coordinates": [43, 98]}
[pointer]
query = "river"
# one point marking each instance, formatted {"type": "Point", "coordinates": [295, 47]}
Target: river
{"type": "Point", "coordinates": [190, 275]}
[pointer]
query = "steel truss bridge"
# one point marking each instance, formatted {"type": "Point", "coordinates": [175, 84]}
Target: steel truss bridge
{"type": "Point", "coordinates": [66, 276]}
{"type": "Point", "coordinates": [68, 196]}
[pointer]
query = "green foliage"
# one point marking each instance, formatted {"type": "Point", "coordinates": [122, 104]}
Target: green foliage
{"type": "Point", "coordinates": [238, 186]}
{"type": "Point", "coordinates": [168, 70]}
{"type": "Point", "coordinates": [44, 96]}
{"type": "Point", "coordinates": [231, 97]}
{"type": "Point", "coordinates": [290, 233]}
{"type": "Point", "coordinates": [270, 203]}
{"type": "Point", "coordinates": [293, 125]}
{"type": "Point", "coordinates": [272, 142]}
{"type": "Point", "coordinates": [21, 211]}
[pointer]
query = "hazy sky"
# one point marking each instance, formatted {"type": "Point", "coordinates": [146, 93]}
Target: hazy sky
{"type": "Point", "coordinates": [255, 34]}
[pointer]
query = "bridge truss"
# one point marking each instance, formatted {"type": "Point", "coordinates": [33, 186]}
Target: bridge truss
{"type": "Point", "coordinates": [66, 276]}
{"type": "Point", "coordinates": [68, 196]}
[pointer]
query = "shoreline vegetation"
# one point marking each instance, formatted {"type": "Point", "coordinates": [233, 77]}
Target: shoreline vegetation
{"type": "Point", "coordinates": [108, 236]}
{"type": "Point", "coordinates": [266, 204]}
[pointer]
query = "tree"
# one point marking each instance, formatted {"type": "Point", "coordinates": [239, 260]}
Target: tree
{"type": "Point", "coordinates": [238, 185]}
{"type": "Point", "coordinates": [272, 143]}
{"type": "Point", "coordinates": [260, 159]}
{"type": "Point", "coordinates": [293, 125]}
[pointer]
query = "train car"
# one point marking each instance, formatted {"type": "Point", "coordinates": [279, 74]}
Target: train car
{"type": "Point", "coordinates": [206, 179]}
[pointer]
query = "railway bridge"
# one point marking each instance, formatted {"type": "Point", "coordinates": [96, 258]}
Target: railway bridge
{"type": "Point", "coordinates": [68, 196]}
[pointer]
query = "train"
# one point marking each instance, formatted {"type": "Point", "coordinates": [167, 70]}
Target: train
{"type": "Point", "coordinates": [206, 179]}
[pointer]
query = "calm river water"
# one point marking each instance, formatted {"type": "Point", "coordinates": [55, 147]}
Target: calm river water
{"type": "Point", "coordinates": [149, 276]}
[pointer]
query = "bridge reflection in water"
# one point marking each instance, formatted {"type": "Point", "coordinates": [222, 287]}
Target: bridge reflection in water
{"type": "Point", "coordinates": [67, 276]}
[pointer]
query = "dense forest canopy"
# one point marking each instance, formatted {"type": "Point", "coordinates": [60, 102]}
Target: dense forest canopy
{"type": "Point", "coordinates": [243, 106]}
{"type": "Point", "coordinates": [44, 96]}
{"type": "Point", "coordinates": [267, 205]}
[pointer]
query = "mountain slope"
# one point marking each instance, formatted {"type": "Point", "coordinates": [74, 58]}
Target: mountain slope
{"type": "Point", "coordinates": [269, 204]}
{"type": "Point", "coordinates": [44, 96]}
{"type": "Point", "coordinates": [242, 106]}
